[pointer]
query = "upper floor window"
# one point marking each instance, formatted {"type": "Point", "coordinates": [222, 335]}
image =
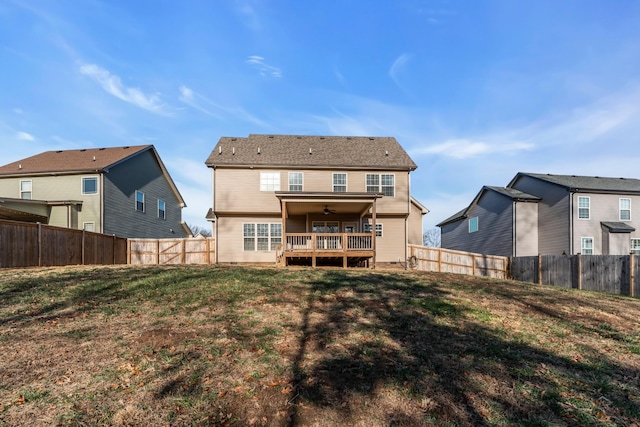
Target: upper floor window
{"type": "Point", "coordinates": [162, 211]}
{"type": "Point", "coordinates": [139, 201]}
{"type": "Point", "coordinates": [635, 246]}
{"type": "Point", "coordinates": [89, 226]}
{"type": "Point", "coordinates": [25, 189]}
{"type": "Point", "coordinates": [381, 183]}
{"type": "Point", "coordinates": [586, 246]}
{"type": "Point", "coordinates": [584, 207]}
{"type": "Point", "coordinates": [295, 181]}
{"type": "Point", "coordinates": [625, 209]}
{"type": "Point", "coordinates": [90, 185]}
{"type": "Point", "coordinates": [473, 224]}
{"type": "Point", "coordinates": [339, 182]}
{"type": "Point", "coordinates": [269, 181]}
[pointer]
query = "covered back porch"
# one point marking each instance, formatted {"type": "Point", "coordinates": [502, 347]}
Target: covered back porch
{"type": "Point", "coordinates": [328, 229]}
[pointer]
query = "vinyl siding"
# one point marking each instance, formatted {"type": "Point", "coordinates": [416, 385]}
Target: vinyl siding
{"type": "Point", "coordinates": [526, 229]}
{"type": "Point", "coordinates": [58, 188]}
{"type": "Point", "coordinates": [553, 215]}
{"type": "Point", "coordinates": [391, 246]}
{"type": "Point", "coordinates": [605, 207]}
{"type": "Point", "coordinates": [231, 244]}
{"type": "Point", "coordinates": [238, 190]}
{"type": "Point", "coordinates": [142, 173]}
{"type": "Point", "coordinates": [415, 226]}
{"type": "Point", "coordinates": [495, 232]}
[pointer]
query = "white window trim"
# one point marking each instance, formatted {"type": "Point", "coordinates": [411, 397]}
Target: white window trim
{"type": "Point", "coordinates": [84, 226]}
{"type": "Point", "coordinates": [588, 208]}
{"type": "Point", "coordinates": [620, 208]}
{"type": "Point", "coordinates": [164, 211]}
{"type": "Point", "coordinates": [582, 247]}
{"type": "Point", "coordinates": [379, 229]}
{"type": "Point", "coordinates": [82, 185]}
{"type": "Point", "coordinates": [635, 250]}
{"type": "Point", "coordinates": [477, 223]}
{"type": "Point", "coordinates": [135, 201]}
{"type": "Point", "coordinates": [301, 183]}
{"type": "Point", "coordinates": [346, 182]}
{"type": "Point", "coordinates": [266, 184]}
{"type": "Point", "coordinates": [380, 183]}
{"type": "Point", "coordinates": [255, 236]}
{"type": "Point", "coordinates": [20, 191]}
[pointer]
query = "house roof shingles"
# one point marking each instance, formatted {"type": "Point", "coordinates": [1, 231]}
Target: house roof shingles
{"type": "Point", "coordinates": [588, 183]}
{"type": "Point", "coordinates": [71, 161]}
{"type": "Point", "coordinates": [311, 151]}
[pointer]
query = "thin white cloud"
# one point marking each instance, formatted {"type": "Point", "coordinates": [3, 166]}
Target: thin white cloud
{"type": "Point", "coordinates": [265, 69]}
{"type": "Point", "coordinates": [24, 136]}
{"type": "Point", "coordinates": [114, 86]}
{"type": "Point", "coordinates": [464, 148]}
{"type": "Point", "coordinates": [397, 69]}
{"type": "Point", "coordinates": [250, 17]}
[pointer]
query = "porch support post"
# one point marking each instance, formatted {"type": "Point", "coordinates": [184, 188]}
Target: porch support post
{"type": "Point", "coordinates": [284, 232]}
{"type": "Point", "coordinates": [373, 231]}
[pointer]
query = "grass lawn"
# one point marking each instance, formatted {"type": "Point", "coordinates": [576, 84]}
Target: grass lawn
{"type": "Point", "coordinates": [296, 347]}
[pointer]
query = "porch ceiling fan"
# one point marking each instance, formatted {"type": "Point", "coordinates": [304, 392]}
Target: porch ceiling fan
{"type": "Point", "coordinates": [328, 211]}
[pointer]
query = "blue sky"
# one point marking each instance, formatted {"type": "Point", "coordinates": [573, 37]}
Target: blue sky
{"type": "Point", "coordinates": [474, 90]}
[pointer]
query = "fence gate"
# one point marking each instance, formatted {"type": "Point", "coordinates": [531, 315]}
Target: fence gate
{"type": "Point", "coordinates": [172, 251]}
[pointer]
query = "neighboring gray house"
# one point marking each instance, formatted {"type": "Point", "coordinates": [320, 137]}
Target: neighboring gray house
{"type": "Point", "coordinates": [549, 214]}
{"type": "Point", "coordinates": [125, 191]}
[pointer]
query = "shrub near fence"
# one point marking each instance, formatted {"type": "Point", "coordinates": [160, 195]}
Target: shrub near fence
{"type": "Point", "coordinates": [36, 245]}
{"type": "Point", "coordinates": [617, 274]}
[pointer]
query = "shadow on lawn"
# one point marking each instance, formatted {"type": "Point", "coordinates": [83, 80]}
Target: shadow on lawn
{"type": "Point", "coordinates": [465, 371]}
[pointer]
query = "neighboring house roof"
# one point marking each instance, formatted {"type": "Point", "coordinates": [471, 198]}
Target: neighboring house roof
{"type": "Point", "coordinates": [596, 184]}
{"type": "Point", "coordinates": [618, 227]}
{"type": "Point", "coordinates": [513, 194]}
{"type": "Point", "coordinates": [91, 160]}
{"type": "Point", "coordinates": [311, 152]}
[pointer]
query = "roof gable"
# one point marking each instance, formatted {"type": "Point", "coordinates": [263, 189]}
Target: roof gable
{"type": "Point", "coordinates": [311, 151]}
{"type": "Point", "coordinates": [72, 161]}
{"type": "Point", "coordinates": [596, 184]}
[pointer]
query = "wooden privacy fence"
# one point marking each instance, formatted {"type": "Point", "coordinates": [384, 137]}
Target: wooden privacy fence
{"type": "Point", "coordinates": [449, 261]}
{"type": "Point", "coordinates": [618, 274]}
{"type": "Point", "coordinates": [36, 245]}
{"type": "Point", "coordinates": [172, 251]}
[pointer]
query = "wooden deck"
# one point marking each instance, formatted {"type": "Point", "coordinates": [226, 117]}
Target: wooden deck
{"type": "Point", "coordinates": [349, 249]}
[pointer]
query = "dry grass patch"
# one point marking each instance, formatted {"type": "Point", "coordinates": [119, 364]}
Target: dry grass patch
{"type": "Point", "coordinates": [266, 346]}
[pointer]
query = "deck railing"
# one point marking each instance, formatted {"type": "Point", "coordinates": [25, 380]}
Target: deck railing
{"type": "Point", "coordinates": [329, 242]}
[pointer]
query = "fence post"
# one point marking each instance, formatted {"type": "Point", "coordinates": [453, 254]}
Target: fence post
{"type": "Point", "coordinates": [439, 260]}
{"type": "Point", "coordinates": [128, 251]}
{"type": "Point", "coordinates": [539, 269]}
{"type": "Point", "coordinates": [83, 246]}
{"type": "Point", "coordinates": [114, 249]}
{"type": "Point", "coordinates": [632, 274]}
{"type": "Point", "coordinates": [39, 245]}
{"type": "Point", "coordinates": [579, 270]}
{"type": "Point", "coordinates": [158, 252]}
{"type": "Point", "coordinates": [473, 264]}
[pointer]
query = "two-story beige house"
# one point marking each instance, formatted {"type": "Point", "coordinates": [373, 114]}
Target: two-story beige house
{"type": "Point", "coordinates": [313, 200]}
{"type": "Point", "coordinates": [125, 191]}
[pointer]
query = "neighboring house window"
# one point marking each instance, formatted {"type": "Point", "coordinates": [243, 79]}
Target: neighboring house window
{"type": "Point", "coordinates": [162, 212]}
{"type": "Point", "coordinates": [90, 185]}
{"type": "Point", "coordinates": [295, 181]}
{"type": "Point", "coordinates": [635, 246]}
{"type": "Point", "coordinates": [25, 189]}
{"type": "Point", "coordinates": [584, 206]}
{"type": "Point", "coordinates": [139, 201]}
{"type": "Point", "coordinates": [269, 181]}
{"type": "Point", "coordinates": [89, 226]}
{"type": "Point", "coordinates": [625, 209]}
{"type": "Point", "coordinates": [339, 182]}
{"type": "Point", "coordinates": [381, 183]}
{"type": "Point", "coordinates": [261, 237]}
{"type": "Point", "coordinates": [586, 246]}
{"type": "Point", "coordinates": [473, 224]}
{"type": "Point", "coordinates": [367, 229]}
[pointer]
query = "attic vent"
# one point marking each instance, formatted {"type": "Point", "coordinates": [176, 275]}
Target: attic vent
{"type": "Point", "coordinates": [299, 137]}
{"type": "Point", "coordinates": [386, 152]}
{"type": "Point", "coordinates": [322, 137]}
{"type": "Point", "coordinates": [270, 136]}
{"type": "Point", "coordinates": [20, 166]}
{"type": "Point", "coordinates": [233, 151]}
{"type": "Point", "coordinates": [126, 148]}
{"type": "Point", "coordinates": [348, 137]}
{"type": "Point", "coordinates": [310, 152]}
{"type": "Point", "coordinates": [83, 149]}
{"type": "Point", "coordinates": [220, 150]}
{"type": "Point", "coordinates": [94, 158]}
{"type": "Point", "coordinates": [59, 151]}
{"type": "Point", "coordinates": [370, 139]}
{"type": "Point", "coordinates": [234, 139]}
{"type": "Point", "coordinates": [258, 150]}
{"type": "Point", "coordinates": [101, 149]}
